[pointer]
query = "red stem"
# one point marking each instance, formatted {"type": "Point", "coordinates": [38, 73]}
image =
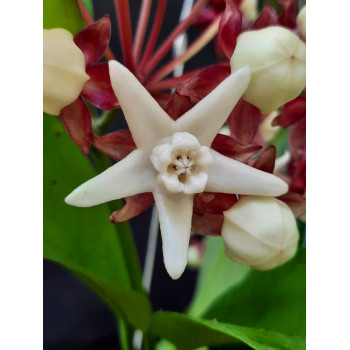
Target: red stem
{"type": "Point", "coordinates": [168, 43]}
{"type": "Point", "coordinates": [193, 49]}
{"type": "Point", "coordinates": [125, 34]}
{"type": "Point", "coordinates": [158, 21]}
{"type": "Point", "coordinates": [141, 28]}
{"type": "Point", "coordinates": [88, 21]}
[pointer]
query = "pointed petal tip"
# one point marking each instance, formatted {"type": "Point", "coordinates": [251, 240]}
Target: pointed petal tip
{"type": "Point", "coordinates": [175, 269]}
{"type": "Point", "coordinates": [71, 199]}
{"type": "Point", "coordinates": [281, 187]}
{"type": "Point", "coordinates": [78, 199]}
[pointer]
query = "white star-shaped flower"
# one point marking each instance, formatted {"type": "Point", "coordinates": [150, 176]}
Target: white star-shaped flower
{"type": "Point", "coordinates": [173, 160]}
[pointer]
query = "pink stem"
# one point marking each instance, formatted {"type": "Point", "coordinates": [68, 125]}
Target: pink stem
{"type": "Point", "coordinates": [125, 34]}
{"type": "Point", "coordinates": [158, 21]}
{"type": "Point", "coordinates": [168, 43]}
{"type": "Point", "coordinates": [141, 28]}
{"type": "Point", "coordinates": [88, 21]}
{"type": "Point", "coordinates": [194, 48]}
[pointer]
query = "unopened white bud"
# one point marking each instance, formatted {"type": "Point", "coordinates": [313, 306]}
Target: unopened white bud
{"type": "Point", "coordinates": [194, 257]}
{"type": "Point", "coordinates": [301, 23]}
{"type": "Point", "coordinates": [64, 70]}
{"type": "Point", "coordinates": [249, 8]}
{"type": "Point", "coordinates": [276, 58]}
{"type": "Point", "coordinates": [266, 129]}
{"type": "Point", "coordinates": [260, 232]}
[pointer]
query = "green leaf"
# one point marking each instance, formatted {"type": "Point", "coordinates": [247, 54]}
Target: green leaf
{"type": "Point", "coordinates": [274, 300]}
{"type": "Point", "coordinates": [62, 14]}
{"type": "Point", "coordinates": [280, 141]}
{"type": "Point", "coordinates": [187, 333]}
{"type": "Point", "coordinates": [82, 239]}
{"type": "Point", "coordinates": [217, 274]}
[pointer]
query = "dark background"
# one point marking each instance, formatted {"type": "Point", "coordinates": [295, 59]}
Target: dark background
{"type": "Point", "coordinates": [74, 318]}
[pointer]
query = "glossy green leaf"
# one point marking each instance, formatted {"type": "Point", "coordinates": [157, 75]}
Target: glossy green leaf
{"type": "Point", "coordinates": [82, 239]}
{"type": "Point", "coordinates": [188, 333]}
{"type": "Point", "coordinates": [217, 274]}
{"type": "Point", "coordinates": [62, 14]}
{"type": "Point", "coordinates": [273, 300]}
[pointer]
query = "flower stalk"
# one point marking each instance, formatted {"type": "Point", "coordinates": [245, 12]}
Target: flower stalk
{"type": "Point", "coordinates": [168, 43]}
{"type": "Point", "coordinates": [125, 33]}
{"type": "Point", "coordinates": [193, 49]}
{"type": "Point", "coordinates": [141, 28]}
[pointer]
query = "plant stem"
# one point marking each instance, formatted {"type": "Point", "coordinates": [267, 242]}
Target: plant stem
{"type": "Point", "coordinates": [194, 48]}
{"type": "Point", "coordinates": [158, 21]}
{"type": "Point", "coordinates": [141, 28]}
{"type": "Point", "coordinates": [88, 21]}
{"type": "Point", "coordinates": [125, 33]}
{"type": "Point", "coordinates": [151, 249]}
{"type": "Point", "coordinates": [181, 42]}
{"type": "Point", "coordinates": [167, 44]}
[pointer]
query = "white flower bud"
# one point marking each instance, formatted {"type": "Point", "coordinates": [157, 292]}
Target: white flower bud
{"type": "Point", "coordinates": [260, 232]}
{"type": "Point", "coordinates": [249, 8]}
{"type": "Point", "coordinates": [64, 70]}
{"type": "Point", "coordinates": [301, 23]}
{"type": "Point", "coordinates": [194, 257]}
{"type": "Point", "coordinates": [276, 58]}
{"type": "Point", "coordinates": [266, 129]}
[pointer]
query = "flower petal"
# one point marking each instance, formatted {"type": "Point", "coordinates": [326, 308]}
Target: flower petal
{"type": "Point", "coordinates": [205, 119]}
{"type": "Point", "coordinates": [147, 121]}
{"type": "Point", "coordinates": [175, 214]}
{"type": "Point", "coordinates": [287, 17]}
{"type": "Point", "coordinates": [267, 17]}
{"type": "Point", "coordinates": [244, 122]}
{"type": "Point", "coordinates": [134, 206]}
{"type": "Point", "coordinates": [76, 119]}
{"type": "Point", "coordinates": [231, 148]}
{"type": "Point", "coordinates": [117, 144]}
{"type": "Point", "coordinates": [98, 89]}
{"type": "Point", "coordinates": [178, 105]}
{"type": "Point", "coordinates": [94, 39]}
{"type": "Point", "coordinates": [230, 176]}
{"type": "Point", "coordinates": [201, 84]}
{"type": "Point", "coordinates": [292, 112]}
{"type": "Point", "coordinates": [266, 160]}
{"type": "Point", "coordinates": [132, 175]}
{"type": "Point", "coordinates": [229, 29]}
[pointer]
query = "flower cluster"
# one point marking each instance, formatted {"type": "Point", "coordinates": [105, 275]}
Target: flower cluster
{"type": "Point", "coordinates": [173, 154]}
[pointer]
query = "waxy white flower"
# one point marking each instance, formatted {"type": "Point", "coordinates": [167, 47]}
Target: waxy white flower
{"type": "Point", "coordinates": [277, 60]}
{"type": "Point", "coordinates": [260, 232]}
{"type": "Point", "coordinates": [64, 70]}
{"type": "Point", "coordinates": [173, 160]}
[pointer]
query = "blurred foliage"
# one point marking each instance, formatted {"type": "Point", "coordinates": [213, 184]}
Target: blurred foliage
{"type": "Point", "coordinates": [216, 275]}
{"type": "Point", "coordinates": [273, 300]}
{"type": "Point", "coordinates": [62, 14]}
